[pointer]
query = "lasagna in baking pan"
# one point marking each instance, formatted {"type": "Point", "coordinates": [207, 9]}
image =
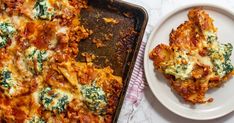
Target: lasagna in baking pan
{"type": "Point", "coordinates": [40, 80]}
{"type": "Point", "coordinates": [194, 61]}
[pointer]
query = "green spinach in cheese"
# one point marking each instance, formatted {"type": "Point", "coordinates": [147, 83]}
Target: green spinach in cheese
{"type": "Point", "coordinates": [35, 119]}
{"type": "Point", "coordinates": [37, 56]}
{"type": "Point", "coordinates": [8, 82]}
{"type": "Point", "coordinates": [6, 32]}
{"type": "Point", "coordinates": [54, 100]}
{"type": "Point", "coordinates": [95, 98]}
{"type": "Point", "coordinates": [43, 10]}
{"type": "Point", "coordinates": [220, 55]}
{"type": "Point", "coordinates": [179, 69]}
{"type": "Point", "coordinates": [5, 79]}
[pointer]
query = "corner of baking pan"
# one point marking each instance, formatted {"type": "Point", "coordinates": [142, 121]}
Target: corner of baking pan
{"type": "Point", "coordinates": [143, 11]}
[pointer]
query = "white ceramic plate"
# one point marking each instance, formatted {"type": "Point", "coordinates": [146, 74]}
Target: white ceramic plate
{"type": "Point", "coordinates": [223, 97]}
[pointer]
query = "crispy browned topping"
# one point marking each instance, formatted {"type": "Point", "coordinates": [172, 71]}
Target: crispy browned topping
{"type": "Point", "coordinates": [189, 38]}
{"type": "Point", "coordinates": [38, 50]}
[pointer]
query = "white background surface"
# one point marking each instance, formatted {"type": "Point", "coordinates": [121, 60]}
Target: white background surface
{"type": "Point", "coordinates": [149, 109]}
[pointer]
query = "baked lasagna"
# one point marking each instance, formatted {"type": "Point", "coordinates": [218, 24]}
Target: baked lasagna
{"type": "Point", "coordinates": [194, 61]}
{"type": "Point", "coordinates": [40, 79]}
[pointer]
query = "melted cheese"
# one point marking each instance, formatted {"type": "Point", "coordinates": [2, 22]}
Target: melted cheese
{"type": "Point", "coordinates": [194, 49]}
{"type": "Point", "coordinates": [55, 100]}
{"type": "Point", "coordinates": [179, 69]}
{"type": "Point", "coordinates": [8, 82]}
{"type": "Point", "coordinates": [205, 60]}
{"type": "Point", "coordinates": [219, 54]}
{"type": "Point", "coordinates": [63, 30]}
{"type": "Point", "coordinates": [95, 98]}
{"type": "Point", "coordinates": [35, 119]}
{"type": "Point", "coordinates": [7, 30]}
{"type": "Point", "coordinates": [35, 56]}
{"type": "Point", "coordinates": [43, 10]}
{"type": "Point", "coordinates": [38, 46]}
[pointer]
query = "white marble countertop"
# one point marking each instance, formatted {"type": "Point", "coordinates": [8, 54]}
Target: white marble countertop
{"type": "Point", "coordinates": [149, 109]}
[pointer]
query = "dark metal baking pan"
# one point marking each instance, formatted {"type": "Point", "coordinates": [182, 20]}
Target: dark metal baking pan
{"type": "Point", "coordinates": [120, 41]}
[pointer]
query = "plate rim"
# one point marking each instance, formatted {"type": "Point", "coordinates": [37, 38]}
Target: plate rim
{"type": "Point", "coordinates": [150, 40]}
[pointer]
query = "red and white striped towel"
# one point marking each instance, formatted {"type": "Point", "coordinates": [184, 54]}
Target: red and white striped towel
{"type": "Point", "coordinates": [135, 88]}
{"type": "Point", "coordinates": [137, 81]}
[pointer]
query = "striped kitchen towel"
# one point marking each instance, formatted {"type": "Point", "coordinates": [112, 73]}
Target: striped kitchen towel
{"type": "Point", "coordinates": [137, 81]}
{"type": "Point", "coordinates": [135, 89]}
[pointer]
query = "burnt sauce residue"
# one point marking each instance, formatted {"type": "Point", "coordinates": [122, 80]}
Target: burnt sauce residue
{"type": "Point", "coordinates": [112, 39]}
